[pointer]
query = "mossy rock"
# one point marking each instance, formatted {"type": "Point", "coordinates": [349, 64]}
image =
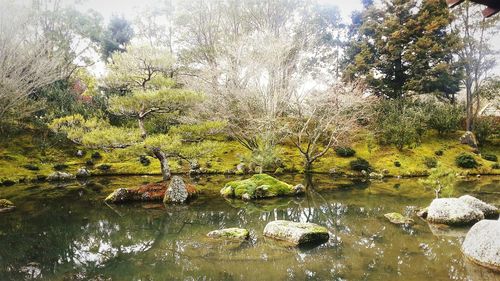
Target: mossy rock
{"type": "Point", "coordinates": [6, 206]}
{"type": "Point", "coordinates": [297, 233]}
{"type": "Point", "coordinates": [397, 218]}
{"type": "Point", "coordinates": [230, 233]}
{"type": "Point", "coordinates": [260, 186]}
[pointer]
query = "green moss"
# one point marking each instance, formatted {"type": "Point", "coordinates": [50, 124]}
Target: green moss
{"type": "Point", "coordinates": [258, 186]}
{"type": "Point", "coordinates": [4, 203]}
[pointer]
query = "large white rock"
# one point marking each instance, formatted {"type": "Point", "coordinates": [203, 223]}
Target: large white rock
{"type": "Point", "coordinates": [482, 244]}
{"type": "Point", "coordinates": [176, 191]}
{"type": "Point", "coordinates": [487, 209]}
{"type": "Point", "coordinates": [452, 211]}
{"type": "Point", "coordinates": [296, 232]}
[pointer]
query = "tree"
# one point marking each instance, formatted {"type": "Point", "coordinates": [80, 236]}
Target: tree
{"type": "Point", "coordinates": [324, 120]}
{"type": "Point", "coordinates": [475, 53]}
{"type": "Point", "coordinates": [404, 49]}
{"type": "Point", "coordinates": [118, 34]}
{"type": "Point", "coordinates": [251, 57]}
{"type": "Point", "coordinates": [141, 72]}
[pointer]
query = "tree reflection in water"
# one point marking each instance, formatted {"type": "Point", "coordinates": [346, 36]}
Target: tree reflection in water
{"type": "Point", "coordinates": [68, 233]}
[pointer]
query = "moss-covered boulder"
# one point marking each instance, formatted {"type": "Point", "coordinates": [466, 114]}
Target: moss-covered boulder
{"type": "Point", "coordinates": [260, 186]}
{"type": "Point", "coordinates": [60, 176]}
{"type": "Point", "coordinates": [397, 218]}
{"type": "Point", "coordinates": [230, 233]}
{"type": "Point", "coordinates": [178, 191]}
{"type": "Point", "coordinates": [6, 206]}
{"type": "Point", "coordinates": [298, 233]}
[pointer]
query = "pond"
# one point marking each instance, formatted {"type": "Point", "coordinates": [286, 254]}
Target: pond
{"type": "Point", "coordinates": [66, 232]}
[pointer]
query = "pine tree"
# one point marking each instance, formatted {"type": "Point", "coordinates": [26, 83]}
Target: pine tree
{"type": "Point", "coordinates": [404, 49]}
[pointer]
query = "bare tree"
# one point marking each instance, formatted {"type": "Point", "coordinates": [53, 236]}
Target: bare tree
{"type": "Point", "coordinates": [476, 54]}
{"type": "Point", "coordinates": [27, 62]}
{"type": "Point", "coordinates": [322, 120]}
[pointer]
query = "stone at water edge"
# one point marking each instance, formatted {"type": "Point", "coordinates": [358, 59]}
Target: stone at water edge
{"type": "Point", "coordinates": [260, 186]}
{"type": "Point", "coordinates": [120, 195]}
{"type": "Point", "coordinates": [60, 176]}
{"type": "Point", "coordinates": [151, 192]}
{"type": "Point", "coordinates": [230, 233]}
{"type": "Point", "coordinates": [178, 191]}
{"type": "Point", "coordinates": [297, 232]}
{"type": "Point", "coordinates": [452, 211]}
{"type": "Point", "coordinates": [488, 210]}
{"type": "Point", "coordinates": [6, 206]}
{"type": "Point", "coordinates": [482, 244]}
{"type": "Point", "coordinates": [397, 218]}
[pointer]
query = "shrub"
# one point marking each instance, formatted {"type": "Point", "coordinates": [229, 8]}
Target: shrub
{"type": "Point", "coordinates": [96, 155]}
{"type": "Point", "coordinates": [104, 167]}
{"type": "Point", "coordinates": [144, 160]}
{"type": "Point", "coordinates": [438, 153]}
{"type": "Point", "coordinates": [31, 167]}
{"type": "Point", "coordinates": [495, 166]}
{"type": "Point", "coordinates": [397, 164]}
{"type": "Point", "coordinates": [444, 118]}
{"type": "Point", "coordinates": [344, 151]}
{"type": "Point", "coordinates": [400, 123]}
{"type": "Point", "coordinates": [60, 167]}
{"type": "Point", "coordinates": [89, 163]}
{"type": "Point", "coordinates": [465, 160]}
{"type": "Point", "coordinates": [430, 162]}
{"type": "Point", "coordinates": [359, 165]}
{"type": "Point", "coordinates": [485, 128]}
{"type": "Point", "coordinates": [490, 157]}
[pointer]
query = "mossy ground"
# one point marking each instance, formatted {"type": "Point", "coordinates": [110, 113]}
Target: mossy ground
{"type": "Point", "coordinates": [39, 148]}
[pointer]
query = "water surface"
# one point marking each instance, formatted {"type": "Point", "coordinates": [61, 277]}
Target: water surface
{"type": "Point", "coordinates": [66, 232]}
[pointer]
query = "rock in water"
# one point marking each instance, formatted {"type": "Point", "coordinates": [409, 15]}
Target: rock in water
{"type": "Point", "coordinates": [120, 195]}
{"type": "Point", "coordinates": [488, 210]}
{"type": "Point", "coordinates": [177, 191]}
{"type": "Point", "coordinates": [6, 206]}
{"type": "Point", "coordinates": [452, 211]}
{"type": "Point", "coordinates": [482, 244]}
{"type": "Point", "coordinates": [296, 232]}
{"type": "Point", "coordinates": [397, 218]}
{"type": "Point", "coordinates": [260, 186]}
{"type": "Point", "coordinates": [60, 176]}
{"type": "Point", "coordinates": [230, 233]}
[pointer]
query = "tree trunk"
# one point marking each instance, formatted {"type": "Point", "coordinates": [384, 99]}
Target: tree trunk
{"type": "Point", "coordinates": [141, 127]}
{"type": "Point", "coordinates": [165, 169]}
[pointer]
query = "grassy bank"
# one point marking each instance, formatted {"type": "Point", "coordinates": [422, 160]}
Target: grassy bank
{"type": "Point", "coordinates": [33, 155]}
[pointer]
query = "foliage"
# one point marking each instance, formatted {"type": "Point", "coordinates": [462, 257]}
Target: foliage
{"type": "Point", "coordinates": [404, 48]}
{"type": "Point", "coordinates": [430, 162]}
{"type": "Point", "coordinates": [397, 164]}
{"type": "Point", "coordinates": [490, 157]}
{"type": "Point", "coordinates": [400, 123]}
{"type": "Point", "coordinates": [444, 118]}
{"type": "Point", "coordinates": [359, 165]}
{"type": "Point", "coordinates": [144, 160]}
{"type": "Point", "coordinates": [344, 151]}
{"type": "Point", "coordinates": [465, 160]}
{"type": "Point", "coordinates": [60, 167]}
{"type": "Point", "coordinates": [438, 153]}
{"type": "Point", "coordinates": [486, 127]}
{"type": "Point", "coordinates": [117, 35]}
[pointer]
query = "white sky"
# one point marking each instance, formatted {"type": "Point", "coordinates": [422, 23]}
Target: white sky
{"type": "Point", "coordinates": [130, 8]}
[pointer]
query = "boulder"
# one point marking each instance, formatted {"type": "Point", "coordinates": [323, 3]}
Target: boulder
{"type": "Point", "coordinates": [452, 211]}
{"type": "Point", "coordinates": [152, 192]}
{"type": "Point", "coordinates": [82, 173]}
{"type": "Point", "coordinates": [297, 233]}
{"type": "Point", "coordinates": [258, 187]}
{"type": "Point", "coordinates": [80, 153]}
{"type": "Point", "coordinates": [482, 244]}
{"type": "Point", "coordinates": [423, 212]}
{"type": "Point", "coordinates": [488, 210]}
{"type": "Point", "coordinates": [194, 168]}
{"type": "Point", "coordinates": [178, 191]}
{"type": "Point", "coordinates": [374, 175]}
{"type": "Point", "coordinates": [6, 206]}
{"type": "Point", "coordinates": [469, 139]}
{"type": "Point", "coordinates": [230, 233]}
{"type": "Point", "coordinates": [397, 218]}
{"type": "Point", "coordinates": [60, 176]}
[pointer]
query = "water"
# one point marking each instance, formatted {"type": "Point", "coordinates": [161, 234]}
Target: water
{"type": "Point", "coordinates": [66, 232]}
